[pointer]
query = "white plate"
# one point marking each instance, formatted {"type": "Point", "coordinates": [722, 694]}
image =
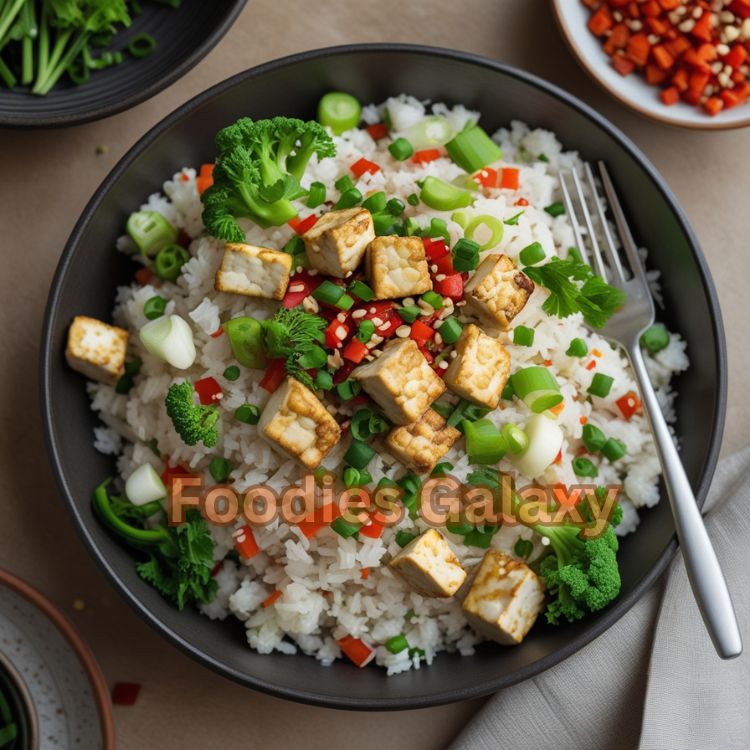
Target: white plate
{"type": "Point", "coordinates": [572, 17]}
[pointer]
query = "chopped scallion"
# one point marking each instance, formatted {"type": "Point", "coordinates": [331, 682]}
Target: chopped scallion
{"type": "Point", "coordinates": [601, 385]}
{"type": "Point", "coordinates": [472, 149]}
{"type": "Point", "coordinates": [531, 254]}
{"type": "Point", "coordinates": [401, 149]}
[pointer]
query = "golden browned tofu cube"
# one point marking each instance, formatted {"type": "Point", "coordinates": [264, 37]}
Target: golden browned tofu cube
{"type": "Point", "coordinates": [295, 421]}
{"type": "Point", "coordinates": [497, 292]}
{"type": "Point", "coordinates": [429, 566]}
{"type": "Point", "coordinates": [480, 369]}
{"type": "Point", "coordinates": [504, 599]}
{"type": "Point", "coordinates": [397, 267]}
{"type": "Point", "coordinates": [400, 381]}
{"type": "Point", "coordinates": [338, 241]}
{"type": "Point", "coordinates": [423, 443]}
{"type": "Point", "coordinates": [253, 271]}
{"type": "Point", "coordinates": [96, 350]}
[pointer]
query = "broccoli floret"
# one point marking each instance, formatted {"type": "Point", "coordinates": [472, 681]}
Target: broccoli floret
{"type": "Point", "coordinates": [258, 170]}
{"type": "Point", "coordinates": [193, 422]}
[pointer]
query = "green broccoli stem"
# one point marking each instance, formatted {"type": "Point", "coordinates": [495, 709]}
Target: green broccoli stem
{"type": "Point", "coordinates": [564, 540]}
{"type": "Point", "coordinates": [297, 163]}
{"type": "Point", "coordinates": [267, 214]}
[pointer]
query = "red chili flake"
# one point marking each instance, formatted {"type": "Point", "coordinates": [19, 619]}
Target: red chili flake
{"type": "Point", "coordinates": [217, 333]}
{"type": "Point", "coordinates": [521, 202]}
{"type": "Point", "coordinates": [558, 457]}
{"type": "Point", "coordinates": [547, 362]}
{"type": "Point", "coordinates": [364, 574]}
{"type": "Point", "coordinates": [591, 365]}
{"type": "Point", "coordinates": [125, 693]}
{"type": "Point", "coordinates": [364, 165]}
{"type": "Point", "coordinates": [208, 390]}
{"type": "Point", "coordinates": [300, 226]}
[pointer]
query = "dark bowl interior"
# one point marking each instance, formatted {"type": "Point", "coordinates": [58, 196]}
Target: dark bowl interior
{"type": "Point", "coordinates": [90, 269]}
{"type": "Point", "coordinates": [184, 36]}
{"type": "Point", "coordinates": [17, 699]}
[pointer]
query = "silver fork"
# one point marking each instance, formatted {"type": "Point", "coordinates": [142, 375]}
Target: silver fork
{"type": "Point", "coordinates": [625, 328]}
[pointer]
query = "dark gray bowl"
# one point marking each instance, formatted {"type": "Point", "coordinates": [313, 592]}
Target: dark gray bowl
{"type": "Point", "coordinates": [90, 269]}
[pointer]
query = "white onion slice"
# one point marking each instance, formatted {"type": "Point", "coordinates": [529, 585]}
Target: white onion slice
{"type": "Point", "coordinates": [144, 486]}
{"type": "Point", "coordinates": [170, 338]}
{"type": "Point", "coordinates": [545, 441]}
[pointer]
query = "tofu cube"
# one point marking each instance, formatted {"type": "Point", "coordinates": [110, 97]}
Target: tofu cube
{"type": "Point", "coordinates": [397, 267]}
{"type": "Point", "coordinates": [253, 271]}
{"type": "Point", "coordinates": [480, 369]}
{"type": "Point", "coordinates": [429, 566]}
{"type": "Point", "coordinates": [96, 350]}
{"type": "Point", "coordinates": [338, 241]}
{"type": "Point", "coordinates": [400, 381]}
{"type": "Point", "coordinates": [497, 292]}
{"type": "Point", "coordinates": [295, 421]}
{"type": "Point", "coordinates": [421, 444]}
{"type": "Point", "coordinates": [505, 598]}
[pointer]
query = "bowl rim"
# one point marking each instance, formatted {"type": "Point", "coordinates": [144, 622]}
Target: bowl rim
{"type": "Point", "coordinates": [60, 119]}
{"type": "Point", "coordinates": [78, 646]}
{"type": "Point", "coordinates": [592, 69]}
{"type": "Point", "coordinates": [49, 362]}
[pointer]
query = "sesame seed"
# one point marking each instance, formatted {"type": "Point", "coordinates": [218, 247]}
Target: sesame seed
{"type": "Point", "coordinates": [545, 541]}
{"type": "Point", "coordinates": [408, 301]}
{"type": "Point", "coordinates": [722, 49]}
{"type": "Point", "coordinates": [340, 332]}
{"type": "Point", "coordinates": [357, 314]}
{"type": "Point", "coordinates": [440, 277]}
{"type": "Point", "coordinates": [299, 269]}
{"type": "Point", "coordinates": [443, 365]}
{"type": "Point", "coordinates": [453, 354]}
{"type": "Point", "coordinates": [687, 26]}
{"type": "Point", "coordinates": [313, 272]}
{"type": "Point", "coordinates": [403, 331]}
{"type": "Point", "coordinates": [433, 268]}
{"type": "Point", "coordinates": [341, 317]}
{"type": "Point", "coordinates": [297, 288]}
{"type": "Point", "coordinates": [331, 409]}
{"type": "Point", "coordinates": [697, 13]}
{"type": "Point", "coordinates": [377, 322]}
{"type": "Point", "coordinates": [373, 310]}
{"type": "Point", "coordinates": [653, 39]}
{"type": "Point", "coordinates": [730, 33]}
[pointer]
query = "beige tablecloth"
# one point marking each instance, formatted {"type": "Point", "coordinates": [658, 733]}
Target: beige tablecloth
{"type": "Point", "coordinates": [46, 179]}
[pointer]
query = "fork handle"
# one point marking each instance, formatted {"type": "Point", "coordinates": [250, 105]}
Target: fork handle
{"type": "Point", "coordinates": [703, 569]}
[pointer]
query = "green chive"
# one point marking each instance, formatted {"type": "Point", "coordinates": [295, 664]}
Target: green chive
{"type": "Point", "coordinates": [409, 313]}
{"type": "Point", "coordinates": [344, 529]}
{"type": "Point", "coordinates": [343, 183]}
{"type": "Point", "coordinates": [348, 199]}
{"type": "Point", "coordinates": [513, 219]}
{"type": "Point", "coordinates": [575, 254]}
{"type": "Point", "coordinates": [323, 380]}
{"type": "Point", "coordinates": [348, 389]}
{"type": "Point", "coordinates": [508, 392]}
{"type": "Point", "coordinates": [351, 476]}
{"type": "Point", "coordinates": [450, 330]}
{"type": "Point", "coordinates": [442, 469]}
{"type": "Point", "coordinates": [655, 338]}
{"type": "Point", "coordinates": [401, 149]}
{"type": "Point", "coordinates": [312, 358]}
{"type": "Point", "coordinates": [583, 467]}
{"type": "Point", "coordinates": [577, 348]}
{"type": "Point", "coordinates": [154, 307]}
{"type": "Point", "coordinates": [531, 254]}
{"type": "Point", "coordinates": [328, 293]}
{"type": "Point", "coordinates": [124, 384]}
{"type": "Point", "coordinates": [601, 385]}
{"type": "Point", "coordinates": [412, 199]}
{"type": "Point", "coordinates": [362, 291]}
{"type": "Point", "coordinates": [614, 449]}
{"type": "Point", "coordinates": [593, 438]}
{"type": "Point", "coordinates": [375, 203]}
{"type": "Point", "coordinates": [383, 224]}
{"type": "Point", "coordinates": [219, 469]}
{"type": "Point", "coordinates": [397, 644]}
{"type": "Point", "coordinates": [555, 209]}
{"type": "Point", "coordinates": [232, 372]}
{"type": "Point", "coordinates": [295, 246]}
{"type": "Point", "coordinates": [346, 302]}
{"type": "Point", "coordinates": [433, 299]}
{"type": "Point", "coordinates": [443, 409]}
{"type": "Point", "coordinates": [365, 331]}
{"type": "Point", "coordinates": [543, 157]}
{"type": "Point", "coordinates": [248, 414]}
{"type": "Point", "coordinates": [477, 538]}
{"type": "Point", "coordinates": [317, 195]}
{"type": "Point", "coordinates": [523, 336]}
{"type": "Point", "coordinates": [359, 454]}
{"type": "Point", "coordinates": [472, 149]}
{"type": "Point", "coordinates": [465, 255]}
{"type": "Point", "coordinates": [404, 537]}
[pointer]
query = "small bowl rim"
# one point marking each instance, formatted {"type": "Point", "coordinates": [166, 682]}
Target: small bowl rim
{"type": "Point", "coordinates": [592, 69]}
{"type": "Point", "coordinates": [49, 363]}
{"type": "Point", "coordinates": [30, 718]}
{"type": "Point", "coordinates": [78, 645]}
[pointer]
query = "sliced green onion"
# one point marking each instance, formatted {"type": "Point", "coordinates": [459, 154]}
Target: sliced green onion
{"type": "Point", "coordinates": [515, 437]}
{"type": "Point", "coordinates": [472, 149]}
{"type": "Point", "coordinates": [442, 469]}
{"type": "Point", "coordinates": [584, 467]}
{"type": "Point", "coordinates": [232, 372]}
{"type": "Point", "coordinates": [339, 111]}
{"type": "Point", "coordinates": [133, 366]}
{"type": "Point", "coordinates": [150, 231]}
{"type": "Point", "coordinates": [344, 529]}
{"type": "Point", "coordinates": [437, 228]}
{"type": "Point", "coordinates": [443, 409]}
{"type": "Point", "coordinates": [401, 149]}
{"type": "Point", "coordinates": [523, 336]}
{"type": "Point", "coordinates": [450, 330]}
{"type": "Point", "coordinates": [513, 220]}
{"type": "Point", "coordinates": [493, 224]}
{"type": "Point", "coordinates": [247, 414]}
{"type": "Point", "coordinates": [219, 469]}
{"type": "Point", "coordinates": [537, 388]}
{"type": "Point", "coordinates": [431, 131]}
{"type": "Point", "coordinates": [655, 338]}
{"type": "Point", "coordinates": [295, 246]}
{"type": "Point", "coordinates": [442, 196]}
{"type": "Point", "coordinates": [366, 423]}
{"type": "Point", "coordinates": [601, 385]}
{"type": "Point", "coordinates": [531, 254]}
{"type": "Point", "coordinates": [411, 486]}
{"type": "Point", "coordinates": [485, 444]}
{"type": "Point", "coordinates": [404, 537]}
{"type": "Point", "coordinates": [409, 313]}
{"type": "Point", "coordinates": [169, 262]}
{"type": "Point", "coordinates": [376, 202]}
{"type": "Point", "coordinates": [328, 293]}
{"type": "Point", "coordinates": [461, 218]}
{"type": "Point", "coordinates": [346, 302]}
{"type": "Point", "coordinates": [555, 209]}
{"type": "Point", "coordinates": [383, 224]}
{"type": "Point", "coordinates": [154, 307]}
{"type": "Point", "coordinates": [246, 339]}
{"type": "Point", "coordinates": [577, 348]}
{"type": "Point", "coordinates": [348, 389]}
{"type": "Point", "coordinates": [614, 449]}
{"type": "Point", "coordinates": [523, 548]}
{"type": "Point", "coordinates": [508, 392]}
{"type": "Point", "coordinates": [141, 45]}
{"type": "Point", "coordinates": [465, 255]}
{"type": "Point", "coordinates": [575, 254]}
{"type": "Point", "coordinates": [317, 195]}
{"type": "Point", "coordinates": [365, 331]}
{"type": "Point", "coordinates": [397, 644]}
{"type": "Point", "coordinates": [124, 384]}
{"type": "Point", "coordinates": [466, 411]}
{"type": "Point", "coordinates": [412, 199]}
{"type": "Point", "coordinates": [351, 476]}
{"type": "Point", "coordinates": [362, 291]}
{"type": "Point", "coordinates": [348, 199]}
{"type": "Point", "coordinates": [343, 183]}
{"type": "Point", "coordinates": [359, 454]}
{"type": "Point", "coordinates": [395, 207]}
{"type": "Point", "coordinates": [312, 358]}
{"type": "Point", "coordinates": [593, 438]}
{"type": "Point", "coordinates": [323, 380]}
{"type": "Point", "coordinates": [433, 299]}
{"type": "Point", "coordinates": [169, 338]}
{"type": "Point", "coordinates": [462, 528]}
{"type": "Point", "coordinates": [545, 442]}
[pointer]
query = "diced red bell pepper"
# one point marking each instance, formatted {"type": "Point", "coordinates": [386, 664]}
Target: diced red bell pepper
{"type": "Point", "coordinates": [451, 286]}
{"type": "Point", "coordinates": [274, 375]}
{"type": "Point", "coordinates": [355, 351]}
{"type": "Point", "coordinates": [377, 131]}
{"type": "Point", "coordinates": [356, 650]}
{"type": "Point", "coordinates": [170, 472]}
{"type": "Point", "coordinates": [336, 334]}
{"type": "Point", "coordinates": [740, 8]}
{"type": "Point", "coordinates": [364, 165]}
{"type": "Point", "coordinates": [443, 265]}
{"type": "Point", "coordinates": [294, 295]}
{"type": "Point", "coordinates": [373, 530]}
{"type": "Point", "coordinates": [390, 326]}
{"type": "Point", "coordinates": [713, 105]}
{"type": "Point", "coordinates": [434, 247]}
{"type": "Point", "coordinates": [244, 542]}
{"type": "Point", "coordinates": [670, 96]}
{"type": "Point", "coordinates": [421, 333]}
{"type": "Point", "coordinates": [487, 177]}
{"type": "Point", "coordinates": [628, 404]}
{"type": "Point", "coordinates": [380, 310]}
{"type": "Point", "coordinates": [300, 226]}
{"type": "Point", "coordinates": [509, 178]}
{"type": "Point", "coordinates": [205, 178]}
{"type": "Point", "coordinates": [319, 519]}
{"type": "Point", "coordinates": [218, 332]}
{"type": "Point", "coordinates": [208, 390]}
{"type": "Point", "coordinates": [426, 155]}
{"type": "Point", "coordinates": [737, 55]}
{"type": "Point", "coordinates": [521, 202]}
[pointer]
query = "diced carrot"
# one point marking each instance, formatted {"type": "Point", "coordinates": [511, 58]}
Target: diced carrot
{"type": "Point", "coordinates": [677, 46]}
{"type": "Point", "coordinates": [670, 96]}
{"type": "Point", "coordinates": [740, 8]}
{"type": "Point", "coordinates": [357, 650]}
{"type": "Point", "coordinates": [509, 178]}
{"type": "Point", "coordinates": [601, 21]}
{"type": "Point", "coordinates": [729, 98]}
{"type": "Point", "coordinates": [270, 599]}
{"type": "Point", "coordinates": [618, 39]}
{"type": "Point", "coordinates": [638, 49]}
{"type": "Point", "coordinates": [713, 105]}
{"type": "Point", "coordinates": [702, 29]}
{"type": "Point", "coordinates": [737, 55]}
{"type": "Point", "coordinates": [657, 26]}
{"type": "Point", "coordinates": [364, 574]}
{"type": "Point", "coordinates": [707, 53]}
{"type": "Point", "coordinates": [669, 4]}
{"type": "Point", "coordinates": [742, 91]}
{"type": "Point", "coordinates": [244, 542]}
{"type": "Point", "coordinates": [655, 75]}
{"type": "Point", "coordinates": [738, 76]}
{"type": "Point", "coordinates": [556, 410]}
{"type": "Point", "coordinates": [680, 79]}
{"type": "Point", "coordinates": [144, 275]}
{"type": "Point", "coordinates": [633, 10]}
{"type": "Point", "coordinates": [622, 65]}
{"type": "Point", "coordinates": [698, 81]}
{"type": "Point", "coordinates": [597, 352]}
{"type": "Point", "coordinates": [661, 57]}
{"type": "Point", "coordinates": [591, 365]}
{"type": "Point", "coordinates": [650, 9]}
{"type": "Point", "coordinates": [583, 420]}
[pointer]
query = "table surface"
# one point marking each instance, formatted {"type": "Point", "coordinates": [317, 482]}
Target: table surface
{"type": "Point", "coordinates": [181, 703]}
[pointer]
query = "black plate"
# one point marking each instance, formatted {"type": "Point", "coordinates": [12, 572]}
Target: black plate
{"type": "Point", "coordinates": [184, 36]}
{"type": "Point", "coordinates": [90, 270]}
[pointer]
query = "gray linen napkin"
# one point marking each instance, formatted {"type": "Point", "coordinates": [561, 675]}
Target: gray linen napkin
{"type": "Point", "coordinates": [653, 680]}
